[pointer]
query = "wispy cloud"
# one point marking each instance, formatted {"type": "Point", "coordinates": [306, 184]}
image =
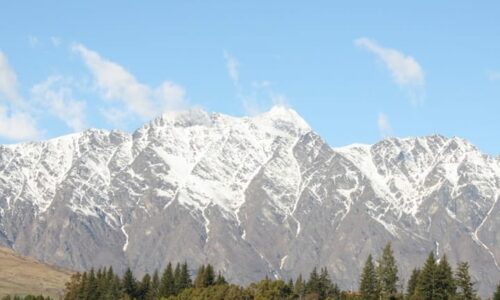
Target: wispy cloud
{"type": "Point", "coordinates": [384, 126]}
{"type": "Point", "coordinates": [33, 41]}
{"type": "Point", "coordinates": [257, 96]}
{"type": "Point", "coordinates": [56, 41]}
{"type": "Point", "coordinates": [117, 84]}
{"type": "Point", "coordinates": [55, 94]}
{"type": "Point", "coordinates": [15, 122]}
{"type": "Point", "coordinates": [8, 81]}
{"type": "Point", "coordinates": [405, 70]}
{"type": "Point", "coordinates": [494, 75]}
{"type": "Point", "coordinates": [17, 126]}
{"type": "Point", "coordinates": [232, 67]}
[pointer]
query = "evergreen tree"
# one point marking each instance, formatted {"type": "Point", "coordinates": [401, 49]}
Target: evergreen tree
{"type": "Point", "coordinates": [167, 284]}
{"type": "Point", "coordinates": [413, 282]}
{"type": "Point", "coordinates": [92, 285]}
{"type": "Point", "coordinates": [185, 277]}
{"type": "Point", "coordinates": [144, 287]}
{"type": "Point", "coordinates": [445, 283]}
{"type": "Point", "coordinates": [73, 286]}
{"type": "Point", "coordinates": [368, 286]}
{"type": "Point", "coordinates": [83, 290]}
{"type": "Point", "coordinates": [464, 282]}
{"type": "Point", "coordinates": [129, 284]}
{"type": "Point", "coordinates": [496, 296]}
{"type": "Point", "coordinates": [313, 285]}
{"type": "Point", "coordinates": [387, 272]}
{"type": "Point", "coordinates": [290, 285]}
{"type": "Point", "coordinates": [199, 281]}
{"type": "Point", "coordinates": [427, 280]}
{"type": "Point", "coordinates": [327, 288]}
{"type": "Point", "coordinates": [177, 279]}
{"type": "Point", "coordinates": [220, 280]}
{"type": "Point", "coordinates": [209, 276]}
{"type": "Point", "coordinates": [154, 290]}
{"type": "Point", "coordinates": [300, 287]}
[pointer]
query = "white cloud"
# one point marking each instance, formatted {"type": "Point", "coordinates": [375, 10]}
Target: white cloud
{"type": "Point", "coordinates": [494, 75]}
{"type": "Point", "coordinates": [279, 99]}
{"type": "Point", "coordinates": [56, 41]}
{"type": "Point", "coordinates": [116, 83]}
{"type": "Point", "coordinates": [170, 95]}
{"type": "Point", "coordinates": [17, 126]}
{"type": "Point", "coordinates": [260, 94]}
{"type": "Point", "coordinates": [384, 126]}
{"type": "Point", "coordinates": [232, 67]}
{"type": "Point", "coordinates": [405, 70]}
{"type": "Point", "coordinates": [8, 81]}
{"type": "Point", "coordinates": [56, 95]}
{"type": "Point", "coordinates": [15, 122]}
{"type": "Point", "coordinates": [33, 41]}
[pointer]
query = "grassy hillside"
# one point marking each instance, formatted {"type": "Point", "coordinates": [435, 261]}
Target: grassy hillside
{"type": "Point", "coordinates": [23, 275]}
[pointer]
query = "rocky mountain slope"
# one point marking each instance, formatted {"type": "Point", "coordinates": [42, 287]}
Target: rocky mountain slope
{"type": "Point", "coordinates": [254, 196]}
{"type": "Point", "coordinates": [23, 275]}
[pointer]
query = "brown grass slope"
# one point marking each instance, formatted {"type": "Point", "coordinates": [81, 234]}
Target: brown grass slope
{"type": "Point", "coordinates": [24, 275]}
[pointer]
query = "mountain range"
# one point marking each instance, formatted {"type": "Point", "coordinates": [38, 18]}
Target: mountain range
{"type": "Point", "coordinates": [254, 196]}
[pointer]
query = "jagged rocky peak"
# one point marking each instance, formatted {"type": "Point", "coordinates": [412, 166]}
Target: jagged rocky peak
{"type": "Point", "coordinates": [208, 187]}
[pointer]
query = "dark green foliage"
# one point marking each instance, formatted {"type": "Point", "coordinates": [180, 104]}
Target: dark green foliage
{"type": "Point", "coordinates": [387, 272]}
{"type": "Point", "coordinates": [313, 284]}
{"type": "Point", "coordinates": [129, 284]}
{"type": "Point", "coordinates": [496, 296]}
{"type": "Point", "coordinates": [205, 276]}
{"type": "Point", "coordinates": [154, 290]}
{"type": "Point", "coordinates": [445, 283]}
{"type": "Point", "coordinates": [29, 297]}
{"type": "Point", "coordinates": [464, 282]}
{"type": "Point", "coordinates": [144, 287]}
{"type": "Point", "coordinates": [167, 283]}
{"type": "Point", "coordinates": [368, 286]}
{"type": "Point", "coordinates": [413, 282]}
{"type": "Point", "coordinates": [220, 279]}
{"type": "Point", "coordinates": [427, 279]}
{"type": "Point", "coordinates": [434, 281]}
{"type": "Point", "coordinates": [300, 287]}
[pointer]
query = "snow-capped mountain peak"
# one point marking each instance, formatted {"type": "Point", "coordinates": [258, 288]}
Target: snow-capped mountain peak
{"type": "Point", "coordinates": [211, 187]}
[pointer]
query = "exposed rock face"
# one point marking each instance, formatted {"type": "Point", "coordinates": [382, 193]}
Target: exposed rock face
{"type": "Point", "coordinates": [254, 196]}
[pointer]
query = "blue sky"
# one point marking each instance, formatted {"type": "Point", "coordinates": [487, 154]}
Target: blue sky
{"type": "Point", "coordinates": [356, 71]}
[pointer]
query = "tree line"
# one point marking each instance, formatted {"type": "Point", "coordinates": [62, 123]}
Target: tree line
{"type": "Point", "coordinates": [379, 280]}
{"type": "Point", "coordinates": [435, 280]}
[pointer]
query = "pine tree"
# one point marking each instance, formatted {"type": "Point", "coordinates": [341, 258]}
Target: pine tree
{"type": "Point", "coordinates": [290, 285]}
{"type": "Point", "coordinates": [144, 287]}
{"type": "Point", "coordinates": [154, 291]}
{"type": "Point", "coordinates": [427, 280]}
{"type": "Point", "coordinates": [185, 277]}
{"type": "Point", "coordinates": [73, 286]}
{"type": "Point", "coordinates": [209, 276]}
{"type": "Point", "coordinates": [129, 284]}
{"type": "Point", "coordinates": [464, 282]}
{"type": "Point", "coordinates": [177, 279]}
{"type": "Point", "coordinates": [220, 280]}
{"type": "Point", "coordinates": [387, 272]}
{"type": "Point", "coordinates": [445, 283]}
{"type": "Point", "coordinates": [496, 296]}
{"type": "Point", "coordinates": [313, 284]}
{"type": "Point", "coordinates": [368, 286]}
{"type": "Point", "coordinates": [300, 287]}
{"type": "Point", "coordinates": [413, 282]}
{"type": "Point", "coordinates": [199, 281]}
{"type": "Point", "coordinates": [167, 285]}
{"type": "Point", "coordinates": [327, 288]}
{"type": "Point", "coordinates": [92, 285]}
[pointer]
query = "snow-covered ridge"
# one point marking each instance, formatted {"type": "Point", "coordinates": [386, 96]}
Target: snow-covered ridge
{"type": "Point", "coordinates": [243, 183]}
{"type": "Point", "coordinates": [210, 158]}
